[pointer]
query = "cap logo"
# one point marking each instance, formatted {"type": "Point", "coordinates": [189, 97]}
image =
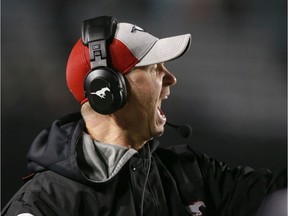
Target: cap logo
{"type": "Point", "coordinates": [136, 28]}
{"type": "Point", "coordinates": [101, 93]}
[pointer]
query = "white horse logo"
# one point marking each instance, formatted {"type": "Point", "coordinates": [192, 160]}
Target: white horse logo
{"type": "Point", "coordinates": [194, 208]}
{"type": "Point", "coordinates": [101, 93]}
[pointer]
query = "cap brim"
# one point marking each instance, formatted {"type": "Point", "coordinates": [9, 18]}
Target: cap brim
{"type": "Point", "coordinates": [166, 49]}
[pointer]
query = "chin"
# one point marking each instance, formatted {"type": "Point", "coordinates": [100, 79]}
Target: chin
{"type": "Point", "coordinates": [158, 131]}
{"type": "Point", "coordinates": [159, 134]}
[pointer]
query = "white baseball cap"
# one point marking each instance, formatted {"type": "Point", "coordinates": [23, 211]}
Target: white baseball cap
{"type": "Point", "coordinates": [133, 46]}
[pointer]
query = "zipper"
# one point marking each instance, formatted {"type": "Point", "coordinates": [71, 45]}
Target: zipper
{"type": "Point", "coordinates": [145, 183]}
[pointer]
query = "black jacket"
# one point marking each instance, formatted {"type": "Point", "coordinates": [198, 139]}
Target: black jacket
{"type": "Point", "coordinates": [154, 181]}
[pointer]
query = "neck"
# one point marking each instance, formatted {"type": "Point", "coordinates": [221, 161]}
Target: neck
{"type": "Point", "coordinates": [106, 129]}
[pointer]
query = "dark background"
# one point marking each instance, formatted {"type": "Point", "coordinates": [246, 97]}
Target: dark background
{"type": "Point", "coordinates": [231, 84]}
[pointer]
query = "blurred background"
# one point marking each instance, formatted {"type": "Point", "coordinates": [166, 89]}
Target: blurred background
{"type": "Point", "coordinates": [231, 84]}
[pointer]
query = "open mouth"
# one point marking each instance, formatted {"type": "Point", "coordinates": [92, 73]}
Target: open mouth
{"type": "Point", "coordinates": [161, 114]}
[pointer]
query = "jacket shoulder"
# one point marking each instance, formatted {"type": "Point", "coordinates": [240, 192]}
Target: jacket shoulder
{"type": "Point", "coordinates": [42, 193]}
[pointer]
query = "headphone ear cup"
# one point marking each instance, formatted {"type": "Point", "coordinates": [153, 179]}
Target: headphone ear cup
{"type": "Point", "coordinates": [105, 89]}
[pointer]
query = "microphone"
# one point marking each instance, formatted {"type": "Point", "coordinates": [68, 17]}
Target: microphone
{"type": "Point", "coordinates": [184, 130]}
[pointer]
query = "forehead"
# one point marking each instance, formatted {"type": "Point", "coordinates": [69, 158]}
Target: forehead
{"type": "Point", "coordinates": [141, 71]}
{"type": "Point", "coordinates": [147, 67]}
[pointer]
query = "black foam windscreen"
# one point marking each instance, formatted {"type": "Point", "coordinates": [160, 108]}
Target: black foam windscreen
{"type": "Point", "coordinates": [184, 130]}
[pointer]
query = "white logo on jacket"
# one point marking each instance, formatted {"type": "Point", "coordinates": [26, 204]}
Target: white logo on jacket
{"type": "Point", "coordinates": [194, 208]}
{"type": "Point", "coordinates": [101, 93]}
{"type": "Point", "coordinates": [25, 214]}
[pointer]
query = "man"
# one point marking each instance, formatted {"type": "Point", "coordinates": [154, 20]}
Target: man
{"type": "Point", "coordinates": [106, 160]}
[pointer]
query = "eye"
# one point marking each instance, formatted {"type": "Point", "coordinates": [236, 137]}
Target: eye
{"type": "Point", "coordinates": [153, 67]}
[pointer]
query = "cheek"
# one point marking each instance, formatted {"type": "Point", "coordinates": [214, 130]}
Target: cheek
{"type": "Point", "coordinates": [143, 94]}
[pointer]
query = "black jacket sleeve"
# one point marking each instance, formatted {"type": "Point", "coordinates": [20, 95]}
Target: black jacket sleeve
{"type": "Point", "coordinates": [236, 191]}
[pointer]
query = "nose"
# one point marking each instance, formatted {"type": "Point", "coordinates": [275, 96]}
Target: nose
{"type": "Point", "coordinates": [168, 79]}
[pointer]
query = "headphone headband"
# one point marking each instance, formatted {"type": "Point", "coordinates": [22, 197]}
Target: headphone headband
{"type": "Point", "coordinates": [96, 34]}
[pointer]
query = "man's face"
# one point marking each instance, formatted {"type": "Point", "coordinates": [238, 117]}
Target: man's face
{"type": "Point", "coordinates": [148, 86]}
